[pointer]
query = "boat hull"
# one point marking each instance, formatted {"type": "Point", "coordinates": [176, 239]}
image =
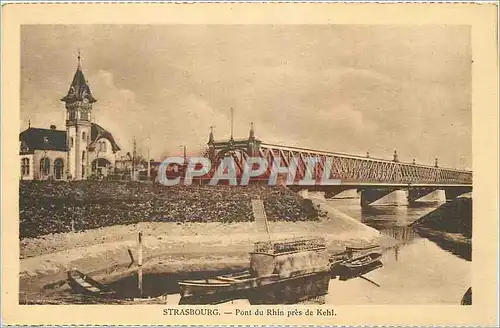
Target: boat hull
{"type": "Point", "coordinates": [357, 266]}
{"type": "Point", "coordinates": [258, 290]}
{"type": "Point", "coordinates": [291, 290]}
{"type": "Point", "coordinates": [83, 284]}
{"type": "Point", "coordinates": [197, 288]}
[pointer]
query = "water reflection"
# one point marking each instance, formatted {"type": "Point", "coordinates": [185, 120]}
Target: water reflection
{"type": "Point", "coordinates": [394, 221]}
{"type": "Point", "coordinates": [418, 270]}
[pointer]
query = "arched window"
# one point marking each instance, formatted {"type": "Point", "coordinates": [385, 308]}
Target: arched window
{"type": "Point", "coordinates": [45, 166]}
{"type": "Point", "coordinates": [58, 169]}
{"type": "Point", "coordinates": [84, 136]}
{"type": "Point", "coordinates": [25, 167]}
{"type": "Point", "coordinates": [103, 146]}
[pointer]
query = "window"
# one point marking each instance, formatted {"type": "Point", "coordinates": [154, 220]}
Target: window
{"type": "Point", "coordinates": [45, 166]}
{"type": "Point", "coordinates": [83, 155]}
{"type": "Point", "coordinates": [25, 167]}
{"type": "Point", "coordinates": [103, 146]}
{"type": "Point", "coordinates": [71, 141]}
{"type": "Point", "coordinates": [84, 136]}
{"type": "Point", "coordinates": [58, 169]}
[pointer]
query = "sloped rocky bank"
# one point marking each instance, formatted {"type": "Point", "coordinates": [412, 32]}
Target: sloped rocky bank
{"type": "Point", "coordinates": [54, 207]}
{"type": "Point", "coordinates": [450, 226]}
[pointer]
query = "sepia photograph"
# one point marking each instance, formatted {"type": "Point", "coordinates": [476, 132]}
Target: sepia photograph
{"type": "Point", "coordinates": [365, 176]}
{"type": "Point", "coordinates": [209, 167]}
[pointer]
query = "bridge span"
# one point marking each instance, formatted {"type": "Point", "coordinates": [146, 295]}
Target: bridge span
{"type": "Point", "coordinates": [365, 174]}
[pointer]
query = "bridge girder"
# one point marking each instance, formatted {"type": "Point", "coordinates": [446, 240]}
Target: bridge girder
{"type": "Point", "coordinates": [348, 169]}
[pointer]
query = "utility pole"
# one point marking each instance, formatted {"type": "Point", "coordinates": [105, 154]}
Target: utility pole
{"type": "Point", "coordinates": [133, 160]}
{"type": "Point", "coordinates": [149, 159]}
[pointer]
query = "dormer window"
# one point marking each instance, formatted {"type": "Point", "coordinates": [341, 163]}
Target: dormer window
{"type": "Point", "coordinates": [103, 147]}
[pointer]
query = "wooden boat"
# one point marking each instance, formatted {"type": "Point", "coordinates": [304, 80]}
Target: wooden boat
{"type": "Point", "coordinates": [361, 261]}
{"type": "Point", "coordinates": [356, 266]}
{"type": "Point", "coordinates": [273, 267]}
{"type": "Point", "coordinates": [358, 249]}
{"type": "Point", "coordinates": [83, 284]}
{"type": "Point", "coordinates": [291, 290]}
{"type": "Point", "coordinates": [219, 284]}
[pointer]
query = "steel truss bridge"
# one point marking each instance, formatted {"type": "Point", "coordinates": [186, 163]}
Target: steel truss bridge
{"type": "Point", "coordinates": [349, 169]}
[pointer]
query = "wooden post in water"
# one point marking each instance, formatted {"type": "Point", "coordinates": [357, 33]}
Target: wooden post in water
{"type": "Point", "coordinates": [139, 263]}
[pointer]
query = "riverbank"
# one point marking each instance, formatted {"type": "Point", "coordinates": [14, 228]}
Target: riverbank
{"type": "Point", "coordinates": [53, 207]}
{"type": "Point", "coordinates": [450, 226]}
{"type": "Point", "coordinates": [172, 247]}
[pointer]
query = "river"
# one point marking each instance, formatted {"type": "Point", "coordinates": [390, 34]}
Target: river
{"type": "Point", "coordinates": [417, 271]}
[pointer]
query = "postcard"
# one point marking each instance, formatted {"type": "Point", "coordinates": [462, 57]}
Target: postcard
{"type": "Point", "coordinates": [250, 164]}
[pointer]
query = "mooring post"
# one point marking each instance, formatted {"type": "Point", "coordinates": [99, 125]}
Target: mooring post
{"type": "Point", "coordinates": [139, 263]}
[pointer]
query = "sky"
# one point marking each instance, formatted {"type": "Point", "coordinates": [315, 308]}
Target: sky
{"type": "Point", "coordinates": [343, 88]}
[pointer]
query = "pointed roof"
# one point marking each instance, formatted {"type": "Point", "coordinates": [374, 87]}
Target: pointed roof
{"type": "Point", "coordinates": [97, 132]}
{"type": "Point", "coordinates": [79, 88]}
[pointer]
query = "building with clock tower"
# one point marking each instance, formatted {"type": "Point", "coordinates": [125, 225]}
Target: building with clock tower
{"type": "Point", "coordinates": [83, 150]}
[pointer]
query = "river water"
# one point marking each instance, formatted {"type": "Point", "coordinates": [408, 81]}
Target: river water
{"type": "Point", "coordinates": [417, 271]}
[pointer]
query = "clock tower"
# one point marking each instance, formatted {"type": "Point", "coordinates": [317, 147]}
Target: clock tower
{"type": "Point", "coordinates": [78, 103]}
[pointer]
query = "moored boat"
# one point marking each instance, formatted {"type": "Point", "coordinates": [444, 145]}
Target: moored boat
{"type": "Point", "coordinates": [234, 282]}
{"type": "Point", "coordinates": [83, 284]}
{"type": "Point", "coordinates": [274, 268]}
{"type": "Point", "coordinates": [356, 266]}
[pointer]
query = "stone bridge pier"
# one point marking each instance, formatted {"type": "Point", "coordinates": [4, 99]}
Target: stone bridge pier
{"type": "Point", "coordinates": [454, 192]}
{"type": "Point", "coordinates": [384, 197]}
{"type": "Point", "coordinates": [426, 196]}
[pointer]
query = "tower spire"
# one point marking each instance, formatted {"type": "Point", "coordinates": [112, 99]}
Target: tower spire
{"type": "Point", "coordinates": [232, 122]}
{"type": "Point", "coordinates": [79, 58]}
{"type": "Point", "coordinates": [211, 136]}
{"type": "Point", "coordinates": [252, 132]}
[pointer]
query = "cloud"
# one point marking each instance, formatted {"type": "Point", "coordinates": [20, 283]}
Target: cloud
{"type": "Point", "coordinates": [343, 88]}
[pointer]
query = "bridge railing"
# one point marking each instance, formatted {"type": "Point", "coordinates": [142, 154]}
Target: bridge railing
{"type": "Point", "coordinates": [344, 167]}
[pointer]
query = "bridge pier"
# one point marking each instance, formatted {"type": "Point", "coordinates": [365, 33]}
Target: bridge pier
{"type": "Point", "coordinates": [384, 197]}
{"type": "Point", "coordinates": [454, 192]}
{"type": "Point", "coordinates": [316, 194]}
{"type": "Point", "coordinates": [426, 196]}
{"type": "Point", "coordinates": [346, 194]}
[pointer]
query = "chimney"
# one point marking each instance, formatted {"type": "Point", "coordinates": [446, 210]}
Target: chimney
{"type": "Point", "coordinates": [52, 127]}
